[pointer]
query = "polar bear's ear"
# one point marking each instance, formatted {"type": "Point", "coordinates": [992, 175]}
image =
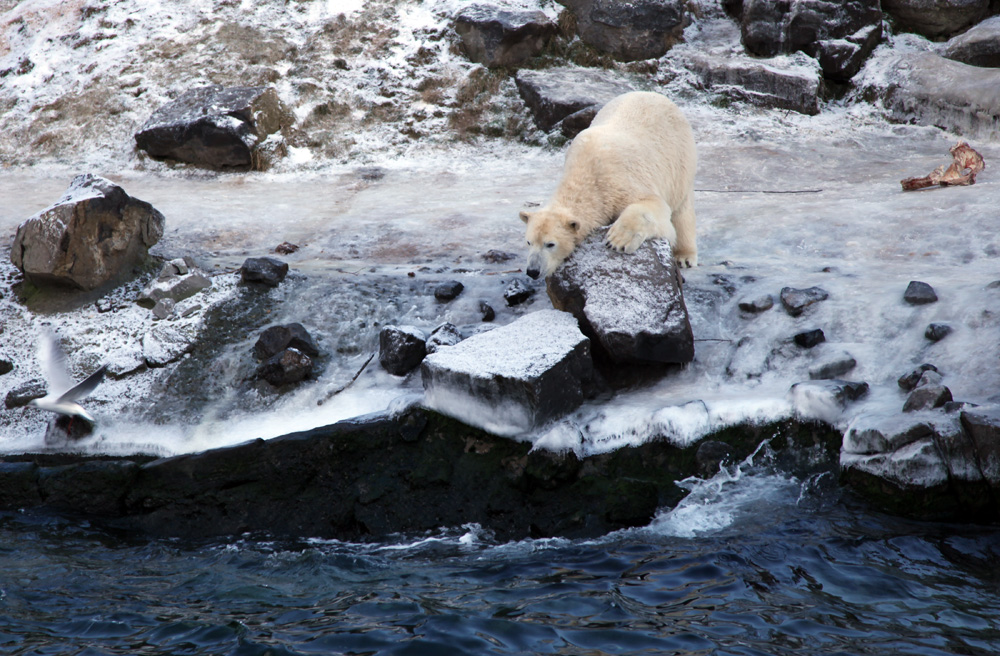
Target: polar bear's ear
{"type": "Point", "coordinates": [525, 216]}
{"type": "Point", "coordinates": [574, 226]}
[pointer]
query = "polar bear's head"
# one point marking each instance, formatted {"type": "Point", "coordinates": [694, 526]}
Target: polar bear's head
{"type": "Point", "coordinates": [552, 235]}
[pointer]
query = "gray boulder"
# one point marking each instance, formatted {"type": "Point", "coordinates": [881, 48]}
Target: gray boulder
{"type": "Point", "coordinates": [927, 397]}
{"type": "Point", "coordinates": [554, 93]}
{"type": "Point", "coordinates": [267, 271]}
{"type": "Point", "coordinates": [276, 339]}
{"type": "Point", "coordinates": [631, 306]}
{"type": "Point", "coordinates": [176, 282]}
{"type": "Point", "coordinates": [628, 31]}
{"type": "Point", "coordinates": [514, 378]}
{"type": "Point", "coordinates": [919, 293]}
{"type": "Point", "coordinates": [778, 83]}
{"type": "Point", "coordinates": [795, 301]}
{"type": "Point", "coordinates": [495, 36]}
{"type": "Point", "coordinates": [840, 35]}
{"type": "Point", "coordinates": [401, 349]}
{"type": "Point", "coordinates": [936, 18]}
{"type": "Point", "coordinates": [447, 334]}
{"type": "Point", "coordinates": [217, 128]}
{"type": "Point", "coordinates": [980, 46]}
{"type": "Point", "coordinates": [95, 234]}
{"type": "Point", "coordinates": [285, 368]}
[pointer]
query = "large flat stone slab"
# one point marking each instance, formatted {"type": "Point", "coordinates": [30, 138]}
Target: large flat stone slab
{"type": "Point", "coordinates": [787, 82]}
{"type": "Point", "coordinates": [555, 93]}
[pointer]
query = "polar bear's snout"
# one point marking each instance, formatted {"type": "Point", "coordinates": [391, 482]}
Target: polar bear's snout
{"type": "Point", "coordinates": [536, 264]}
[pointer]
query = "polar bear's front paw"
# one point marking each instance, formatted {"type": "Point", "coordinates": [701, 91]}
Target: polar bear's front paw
{"type": "Point", "coordinates": [687, 260]}
{"type": "Point", "coordinates": [624, 239]}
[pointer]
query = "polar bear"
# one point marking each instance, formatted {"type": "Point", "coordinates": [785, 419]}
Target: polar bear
{"type": "Point", "coordinates": [634, 166]}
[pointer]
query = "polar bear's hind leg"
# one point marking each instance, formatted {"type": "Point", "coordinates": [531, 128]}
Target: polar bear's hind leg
{"type": "Point", "coordinates": [643, 219]}
{"type": "Point", "coordinates": [686, 248]}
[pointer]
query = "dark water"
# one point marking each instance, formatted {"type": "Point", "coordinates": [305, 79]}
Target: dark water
{"type": "Point", "coordinates": [755, 564]}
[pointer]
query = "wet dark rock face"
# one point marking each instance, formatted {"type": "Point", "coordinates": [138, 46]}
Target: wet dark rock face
{"type": "Point", "coordinates": [628, 31]}
{"type": "Point", "coordinates": [936, 18]}
{"type": "Point", "coordinates": [267, 271]}
{"type": "Point", "coordinates": [759, 82]}
{"type": "Point", "coordinates": [370, 477]}
{"type": "Point", "coordinates": [493, 36]}
{"type": "Point", "coordinates": [555, 93]}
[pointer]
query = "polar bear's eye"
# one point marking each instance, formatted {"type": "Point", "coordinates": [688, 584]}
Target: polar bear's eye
{"type": "Point", "coordinates": [550, 244]}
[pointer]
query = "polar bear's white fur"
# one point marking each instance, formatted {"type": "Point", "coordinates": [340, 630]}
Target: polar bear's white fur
{"type": "Point", "coordinates": [633, 166]}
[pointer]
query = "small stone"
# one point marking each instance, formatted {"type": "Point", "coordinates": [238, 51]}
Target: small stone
{"type": "Point", "coordinates": [286, 367]}
{"type": "Point", "coordinates": [188, 311]}
{"type": "Point", "coordinates": [937, 331]}
{"type": "Point", "coordinates": [22, 395]}
{"type": "Point", "coordinates": [909, 381]}
{"type": "Point", "coordinates": [401, 349]}
{"type": "Point", "coordinates": [6, 366]}
{"type": "Point", "coordinates": [517, 292]}
{"type": "Point", "coordinates": [757, 305]}
{"type": "Point", "coordinates": [447, 291]}
{"type": "Point", "coordinates": [447, 334]}
{"type": "Point", "coordinates": [795, 301]}
{"type": "Point", "coordinates": [104, 305]}
{"type": "Point", "coordinates": [286, 248]}
{"type": "Point", "coordinates": [277, 338]}
{"type": "Point", "coordinates": [927, 397]}
{"type": "Point", "coordinates": [498, 257]}
{"type": "Point", "coordinates": [919, 293]}
{"type": "Point", "coordinates": [264, 270]}
{"type": "Point", "coordinates": [810, 338]}
{"type": "Point", "coordinates": [833, 369]}
{"type": "Point", "coordinates": [163, 308]}
{"type": "Point", "coordinates": [489, 314]}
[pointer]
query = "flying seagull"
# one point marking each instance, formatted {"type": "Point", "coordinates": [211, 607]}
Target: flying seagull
{"type": "Point", "coordinates": [63, 393]}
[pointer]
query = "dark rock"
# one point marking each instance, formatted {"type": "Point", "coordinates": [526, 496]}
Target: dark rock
{"type": "Point", "coordinates": [176, 282]}
{"type": "Point", "coordinates": [980, 46]}
{"type": "Point", "coordinates": [518, 292]}
{"type": "Point", "coordinates": [6, 366]}
{"type": "Point", "coordinates": [498, 257]}
{"type": "Point", "coordinates": [929, 378]}
{"type": "Point", "coordinates": [263, 270]}
{"type": "Point", "coordinates": [956, 406]}
{"type": "Point", "coordinates": [489, 314]}
{"type": "Point", "coordinates": [983, 428]}
{"type": "Point", "coordinates": [217, 128]}
{"type": "Point", "coordinates": [639, 29]}
{"type": "Point", "coordinates": [937, 331]}
{"type": "Point", "coordinates": [927, 397]}
{"type": "Point", "coordinates": [448, 291]}
{"type": "Point", "coordinates": [163, 308]}
{"type": "Point", "coordinates": [872, 435]}
{"type": "Point", "coordinates": [96, 233]}
{"type": "Point", "coordinates": [553, 94]}
{"type": "Point", "coordinates": [514, 378]}
{"type": "Point", "coordinates": [919, 293]}
{"type": "Point", "coordinates": [840, 35]}
{"type": "Point", "coordinates": [447, 334]}
{"type": "Point", "coordinates": [826, 399]}
{"type": "Point", "coordinates": [909, 381]}
{"type": "Point", "coordinates": [275, 339]}
{"type": "Point", "coordinates": [286, 248]}
{"type": "Point", "coordinates": [289, 366]}
{"type": "Point", "coordinates": [810, 338]}
{"type": "Point", "coordinates": [23, 394]}
{"type": "Point", "coordinates": [579, 121]}
{"type": "Point", "coordinates": [833, 369]}
{"type": "Point", "coordinates": [631, 306]}
{"type": "Point", "coordinates": [757, 305]}
{"type": "Point", "coordinates": [63, 430]}
{"type": "Point", "coordinates": [401, 349]}
{"type": "Point", "coordinates": [770, 84]}
{"type": "Point", "coordinates": [795, 301]}
{"type": "Point", "coordinates": [711, 456]}
{"type": "Point", "coordinates": [936, 18]}
{"type": "Point", "coordinates": [495, 36]}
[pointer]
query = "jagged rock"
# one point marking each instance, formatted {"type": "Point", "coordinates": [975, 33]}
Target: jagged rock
{"type": "Point", "coordinates": [908, 382]}
{"type": "Point", "coordinates": [275, 339]}
{"type": "Point", "coordinates": [795, 301]}
{"type": "Point", "coordinates": [825, 399]}
{"type": "Point", "coordinates": [937, 331]}
{"type": "Point", "coordinates": [176, 282]}
{"type": "Point", "coordinates": [919, 293]}
{"type": "Point", "coordinates": [495, 36]}
{"type": "Point", "coordinates": [810, 338]}
{"type": "Point", "coordinates": [448, 291]}
{"type": "Point", "coordinates": [833, 369]}
{"type": "Point", "coordinates": [216, 127]}
{"type": "Point", "coordinates": [790, 82]}
{"type": "Point", "coordinates": [630, 305]}
{"type": "Point", "coordinates": [266, 271]}
{"type": "Point", "coordinates": [983, 428]}
{"type": "Point", "coordinates": [927, 397]}
{"type": "Point", "coordinates": [928, 89]}
{"type": "Point", "coordinates": [518, 292]}
{"type": "Point", "coordinates": [757, 305]}
{"type": "Point", "coordinates": [579, 121]}
{"type": "Point", "coordinates": [869, 435]}
{"type": "Point", "coordinates": [553, 94]}
{"type": "Point", "coordinates": [94, 234]}
{"type": "Point", "coordinates": [489, 314]}
{"type": "Point", "coordinates": [979, 46]}
{"type": "Point", "coordinates": [929, 377]}
{"type": "Point", "coordinates": [840, 35]}
{"type": "Point", "coordinates": [168, 342]}
{"type": "Point", "coordinates": [289, 366]}
{"type": "Point", "coordinates": [638, 29]}
{"type": "Point", "coordinates": [447, 334]}
{"type": "Point", "coordinates": [401, 349]}
{"type": "Point", "coordinates": [513, 378]}
{"type": "Point", "coordinates": [936, 18]}
{"type": "Point", "coordinates": [22, 395]}
{"type": "Point", "coordinates": [163, 308]}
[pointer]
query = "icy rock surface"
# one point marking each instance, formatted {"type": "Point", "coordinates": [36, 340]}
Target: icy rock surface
{"type": "Point", "coordinates": [784, 83]}
{"type": "Point", "coordinates": [631, 306]}
{"type": "Point", "coordinates": [92, 235]}
{"type": "Point", "coordinates": [979, 46]}
{"type": "Point", "coordinates": [512, 379]}
{"type": "Point", "coordinates": [936, 18]}
{"type": "Point", "coordinates": [640, 29]}
{"type": "Point", "coordinates": [496, 36]}
{"type": "Point", "coordinates": [175, 283]}
{"type": "Point", "coordinates": [553, 94]}
{"type": "Point", "coordinates": [215, 127]}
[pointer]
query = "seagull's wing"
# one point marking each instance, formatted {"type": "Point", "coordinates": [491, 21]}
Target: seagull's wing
{"type": "Point", "coordinates": [85, 387]}
{"type": "Point", "coordinates": [54, 364]}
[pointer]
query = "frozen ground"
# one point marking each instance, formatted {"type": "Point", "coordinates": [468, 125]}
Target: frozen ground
{"type": "Point", "coordinates": [369, 205]}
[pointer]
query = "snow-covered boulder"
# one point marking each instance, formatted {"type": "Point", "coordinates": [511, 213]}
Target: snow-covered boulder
{"type": "Point", "coordinates": [979, 46]}
{"type": "Point", "coordinates": [496, 36]}
{"type": "Point", "coordinates": [628, 31]}
{"type": "Point", "coordinates": [631, 306]}
{"type": "Point", "coordinates": [95, 234]}
{"type": "Point", "coordinates": [788, 82]}
{"type": "Point", "coordinates": [936, 18]}
{"type": "Point", "coordinates": [218, 128]}
{"type": "Point", "coordinates": [555, 93]}
{"type": "Point", "coordinates": [176, 282]}
{"type": "Point", "coordinates": [840, 35]}
{"type": "Point", "coordinates": [514, 378]}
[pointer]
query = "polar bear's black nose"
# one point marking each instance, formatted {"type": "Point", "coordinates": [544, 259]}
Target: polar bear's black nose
{"type": "Point", "coordinates": [533, 273]}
